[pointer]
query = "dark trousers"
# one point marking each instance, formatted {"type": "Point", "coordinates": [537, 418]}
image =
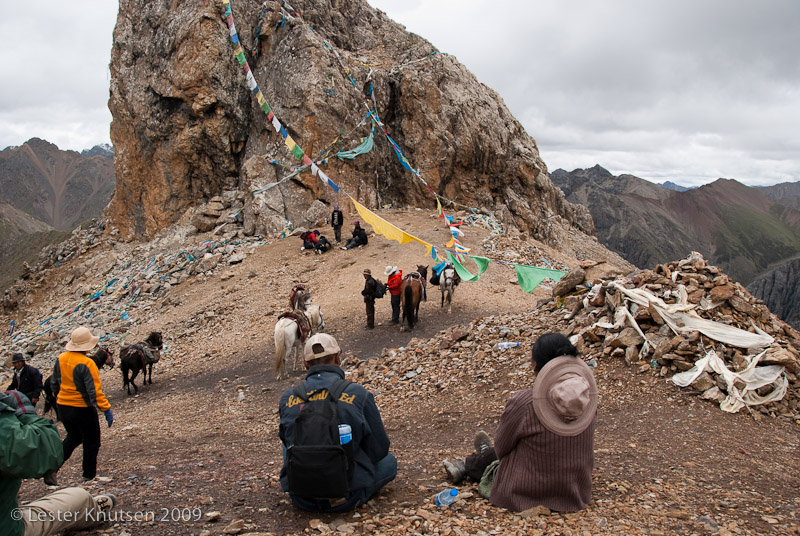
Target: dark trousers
{"type": "Point", "coordinates": [370, 313]}
{"type": "Point", "coordinates": [395, 308]}
{"type": "Point", "coordinates": [477, 463]}
{"type": "Point", "coordinates": [82, 427]}
{"type": "Point", "coordinates": [337, 232]}
{"type": "Point", "coordinates": [385, 472]}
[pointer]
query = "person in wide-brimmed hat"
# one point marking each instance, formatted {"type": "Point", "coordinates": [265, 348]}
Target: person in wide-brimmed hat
{"type": "Point", "coordinates": [544, 443]}
{"type": "Point", "coordinates": [393, 285]}
{"type": "Point", "coordinates": [77, 383]}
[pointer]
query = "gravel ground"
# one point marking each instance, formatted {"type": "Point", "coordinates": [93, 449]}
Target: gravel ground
{"type": "Point", "coordinates": [197, 452]}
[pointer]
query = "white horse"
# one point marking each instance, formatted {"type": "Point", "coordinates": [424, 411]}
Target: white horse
{"type": "Point", "coordinates": [447, 284]}
{"type": "Point", "coordinates": [288, 338]}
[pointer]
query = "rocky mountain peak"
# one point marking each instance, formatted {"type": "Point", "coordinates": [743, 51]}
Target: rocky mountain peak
{"type": "Point", "coordinates": [187, 127]}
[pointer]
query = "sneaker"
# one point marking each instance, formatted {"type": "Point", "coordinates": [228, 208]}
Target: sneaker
{"type": "Point", "coordinates": [455, 470]}
{"type": "Point", "coordinates": [482, 442]}
{"type": "Point", "coordinates": [49, 479]}
{"type": "Point", "coordinates": [303, 249]}
{"type": "Point", "coordinates": [105, 502]}
{"type": "Point", "coordinates": [343, 247]}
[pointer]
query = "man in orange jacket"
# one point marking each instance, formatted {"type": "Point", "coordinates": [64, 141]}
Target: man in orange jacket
{"type": "Point", "coordinates": [393, 283]}
{"type": "Point", "coordinates": [77, 383]}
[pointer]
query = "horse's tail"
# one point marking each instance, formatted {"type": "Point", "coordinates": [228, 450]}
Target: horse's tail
{"type": "Point", "coordinates": [408, 305]}
{"type": "Point", "coordinates": [280, 348]}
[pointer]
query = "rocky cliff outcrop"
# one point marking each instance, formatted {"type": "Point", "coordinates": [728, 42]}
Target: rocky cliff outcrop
{"type": "Point", "coordinates": [780, 290]}
{"type": "Point", "coordinates": [186, 128]}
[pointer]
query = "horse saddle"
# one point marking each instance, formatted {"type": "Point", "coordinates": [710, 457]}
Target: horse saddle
{"type": "Point", "coordinates": [150, 355]}
{"type": "Point", "coordinates": [302, 321]}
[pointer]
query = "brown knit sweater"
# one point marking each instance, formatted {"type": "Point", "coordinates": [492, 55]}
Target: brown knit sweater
{"type": "Point", "coordinates": [538, 467]}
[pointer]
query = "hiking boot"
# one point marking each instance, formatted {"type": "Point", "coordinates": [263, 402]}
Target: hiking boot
{"type": "Point", "coordinates": [105, 502]}
{"type": "Point", "coordinates": [49, 479]}
{"type": "Point", "coordinates": [456, 471]}
{"type": "Point", "coordinates": [482, 442]}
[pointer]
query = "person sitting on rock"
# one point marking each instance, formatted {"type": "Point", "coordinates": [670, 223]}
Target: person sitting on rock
{"type": "Point", "coordinates": [544, 444]}
{"type": "Point", "coordinates": [372, 465]}
{"type": "Point", "coordinates": [321, 245]}
{"type": "Point", "coordinates": [359, 237]}
{"type": "Point", "coordinates": [309, 240]}
{"type": "Point", "coordinates": [30, 447]}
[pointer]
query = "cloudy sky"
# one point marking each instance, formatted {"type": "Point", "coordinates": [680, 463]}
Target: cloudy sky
{"type": "Point", "coordinates": [679, 90]}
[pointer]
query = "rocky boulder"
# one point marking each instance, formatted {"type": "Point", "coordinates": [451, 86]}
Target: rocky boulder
{"type": "Point", "coordinates": [186, 127]}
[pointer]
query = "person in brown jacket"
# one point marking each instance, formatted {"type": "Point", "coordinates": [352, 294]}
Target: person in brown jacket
{"type": "Point", "coordinates": [544, 444]}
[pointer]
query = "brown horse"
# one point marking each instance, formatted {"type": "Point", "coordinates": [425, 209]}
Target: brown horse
{"type": "Point", "coordinates": [412, 292]}
{"type": "Point", "coordinates": [140, 357]}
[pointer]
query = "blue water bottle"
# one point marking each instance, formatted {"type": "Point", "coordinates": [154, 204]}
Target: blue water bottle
{"type": "Point", "coordinates": [446, 497]}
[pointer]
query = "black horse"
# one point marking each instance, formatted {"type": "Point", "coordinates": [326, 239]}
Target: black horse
{"type": "Point", "coordinates": [140, 357]}
{"type": "Point", "coordinates": [101, 358]}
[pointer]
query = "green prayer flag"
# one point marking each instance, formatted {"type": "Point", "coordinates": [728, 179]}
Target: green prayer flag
{"type": "Point", "coordinates": [462, 272]}
{"type": "Point", "coordinates": [530, 277]}
{"type": "Point", "coordinates": [298, 152]}
{"type": "Point", "coordinates": [240, 58]}
{"type": "Point", "coordinates": [266, 108]}
{"type": "Point", "coordinates": [482, 263]}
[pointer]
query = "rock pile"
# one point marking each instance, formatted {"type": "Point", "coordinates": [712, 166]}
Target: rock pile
{"type": "Point", "coordinates": [667, 319]}
{"type": "Point", "coordinates": [116, 290]}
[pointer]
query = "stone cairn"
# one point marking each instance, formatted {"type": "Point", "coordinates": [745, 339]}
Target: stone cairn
{"type": "Point", "coordinates": [601, 322]}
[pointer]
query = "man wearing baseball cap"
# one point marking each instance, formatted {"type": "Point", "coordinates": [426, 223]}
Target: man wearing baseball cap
{"type": "Point", "coordinates": [374, 465]}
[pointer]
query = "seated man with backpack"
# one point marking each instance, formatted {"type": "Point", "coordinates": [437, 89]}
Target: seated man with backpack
{"type": "Point", "coordinates": [336, 451]}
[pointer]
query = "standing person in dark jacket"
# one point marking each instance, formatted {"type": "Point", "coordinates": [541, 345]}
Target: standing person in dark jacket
{"type": "Point", "coordinates": [370, 286]}
{"type": "Point", "coordinates": [27, 379]}
{"type": "Point", "coordinates": [375, 466]}
{"type": "Point", "coordinates": [544, 444]}
{"type": "Point", "coordinates": [394, 283]}
{"type": "Point", "coordinates": [77, 383]}
{"type": "Point", "coordinates": [337, 220]}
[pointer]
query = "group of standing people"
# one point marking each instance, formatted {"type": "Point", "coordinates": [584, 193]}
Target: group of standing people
{"type": "Point", "coordinates": [370, 293]}
{"type": "Point", "coordinates": [30, 446]}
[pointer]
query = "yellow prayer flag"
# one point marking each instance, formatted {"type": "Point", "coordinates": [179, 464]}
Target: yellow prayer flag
{"type": "Point", "coordinates": [290, 143]}
{"type": "Point", "coordinates": [383, 227]}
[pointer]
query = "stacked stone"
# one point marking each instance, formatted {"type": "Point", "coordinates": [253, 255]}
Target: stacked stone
{"type": "Point", "coordinates": [716, 297]}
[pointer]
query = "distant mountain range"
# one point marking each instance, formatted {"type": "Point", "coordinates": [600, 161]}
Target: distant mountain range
{"type": "Point", "coordinates": [45, 193]}
{"type": "Point", "coordinates": [60, 188]}
{"type": "Point", "coordinates": [746, 231]}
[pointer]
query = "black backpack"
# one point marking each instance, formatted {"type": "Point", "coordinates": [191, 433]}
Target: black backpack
{"type": "Point", "coordinates": [317, 465]}
{"type": "Point", "coordinates": [380, 289]}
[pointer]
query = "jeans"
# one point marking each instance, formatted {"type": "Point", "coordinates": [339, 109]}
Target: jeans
{"type": "Point", "coordinates": [385, 472]}
{"type": "Point", "coordinates": [337, 232]}
{"type": "Point", "coordinates": [82, 427]}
